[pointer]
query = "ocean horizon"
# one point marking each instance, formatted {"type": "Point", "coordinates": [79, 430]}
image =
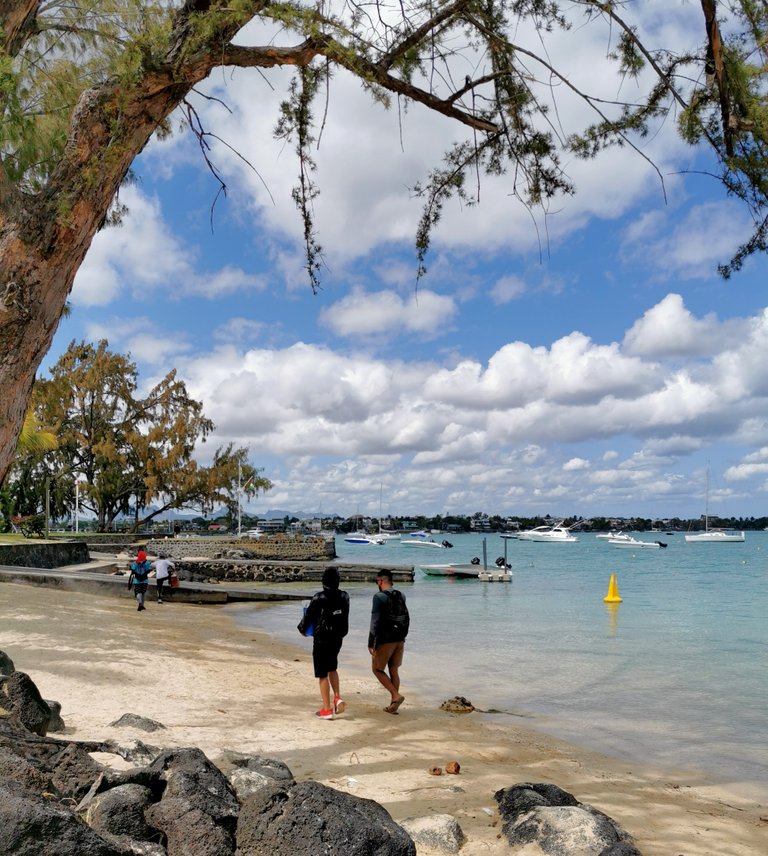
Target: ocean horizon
{"type": "Point", "coordinates": [675, 676]}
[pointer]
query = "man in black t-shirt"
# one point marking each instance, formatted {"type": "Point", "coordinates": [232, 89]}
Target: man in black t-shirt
{"type": "Point", "coordinates": [327, 620]}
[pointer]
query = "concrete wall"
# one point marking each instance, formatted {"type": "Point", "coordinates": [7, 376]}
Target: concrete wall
{"type": "Point", "coordinates": [44, 554]}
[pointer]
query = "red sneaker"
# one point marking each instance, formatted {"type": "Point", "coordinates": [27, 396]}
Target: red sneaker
{"type": "Point", "coordinates": [325, 713]}
{"type": "Point", "coordinates": [339, 705]}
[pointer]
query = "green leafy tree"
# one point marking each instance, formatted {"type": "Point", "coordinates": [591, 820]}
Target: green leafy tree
{"type": "Point", "coordinates": [84, 85]}
{"type": "Point", "coordinates": [132, 452]}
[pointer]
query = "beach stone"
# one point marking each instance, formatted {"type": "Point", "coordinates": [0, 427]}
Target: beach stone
{"type": "Point", "coordinates": [57, 723]}
{"type": "Point", "coordinates": [20, 697]}
{"type": "Point", "coordinates": [189, 832]}
{"type": "Point", "coordinates": [132, 750]}
{"type": "Point", "coordinates": [73, 771]}
{"type": "Point", "coordinates": [555, 821]}
{"type": "Point", "coordinates": [30, 777]}
{"type": "Point", "coordinates": [453, 768]}
{"type": "Point", "coordinates": [33, 826]}
{"type": "Point", "coordinates": [438, 832]}
{"type": "Point", "coordinates": [457, 704]}
{"type": "Point", "coordinates": [270, 768]}
{"type": "Point", "coordinates": [246, 782]}
{"type": "Point", "coordinates": [193, 780]}
{"type": "Point", "coordinates": [120, 812]}
{"type": "Point", "coordinates": [6, 664]}
{"type": "Point", "coordinates": [620, 849]}
{"type": "Point", "coordinates": [133, 720]}
{"type": "Point", "coordinates": [313, 818]}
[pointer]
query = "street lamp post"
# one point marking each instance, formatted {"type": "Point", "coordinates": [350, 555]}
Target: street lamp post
{"type": "Point", "coordinates": [77, 504]}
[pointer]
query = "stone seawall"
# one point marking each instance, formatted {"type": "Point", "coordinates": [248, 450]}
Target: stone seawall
{"type": "Point", "coordinates": [45, 554]}
{"type": "Point", "coordinates": [257, 571]}
{"type": "Point", "coordinates": [280, 548]}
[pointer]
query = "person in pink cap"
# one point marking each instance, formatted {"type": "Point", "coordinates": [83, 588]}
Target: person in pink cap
{"type": "Point", "coordinates": [138, 579]}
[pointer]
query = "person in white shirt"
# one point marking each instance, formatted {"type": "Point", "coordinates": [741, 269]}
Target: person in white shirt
{"type": "Point", "coordinates": [163, 569]}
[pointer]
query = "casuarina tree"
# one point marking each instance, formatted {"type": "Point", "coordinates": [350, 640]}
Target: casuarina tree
{"type": "Point", "coordinates": [84, 85]}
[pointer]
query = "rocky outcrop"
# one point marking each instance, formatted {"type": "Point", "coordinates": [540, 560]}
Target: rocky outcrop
{"type": "Point", "coordinates": [57, 800]}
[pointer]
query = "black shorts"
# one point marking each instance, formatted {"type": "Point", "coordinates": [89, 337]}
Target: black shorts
{"type": "Point", "coordinates": [325, 656]}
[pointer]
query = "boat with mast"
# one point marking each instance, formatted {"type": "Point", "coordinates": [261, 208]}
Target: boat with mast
{"type": "Point", "coordinates": [713, 536]}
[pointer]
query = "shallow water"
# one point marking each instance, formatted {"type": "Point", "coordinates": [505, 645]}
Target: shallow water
{"type": "Point", "coordinates": [676, 675]}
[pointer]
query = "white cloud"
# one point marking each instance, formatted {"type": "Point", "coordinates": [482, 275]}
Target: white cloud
{"type": "Point", "coordinates": [364, 313]}
{"type": "Point", "coordinates": [576, 464]}
{"type": "Point", "coordinates": [142, 257]}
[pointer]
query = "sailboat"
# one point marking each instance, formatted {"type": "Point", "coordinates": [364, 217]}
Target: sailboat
{"type": "Point", "coordinates": [385, 534]}
{"type": "Point", "coordinates": [713, 536]}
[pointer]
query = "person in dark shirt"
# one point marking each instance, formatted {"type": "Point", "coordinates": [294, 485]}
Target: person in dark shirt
{"type": "Point", "coordinates": [386, 642]}
{"type": "Point", "coordinates": [327, 620]}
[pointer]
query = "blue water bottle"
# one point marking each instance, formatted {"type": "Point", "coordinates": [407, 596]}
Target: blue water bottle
{"type": "Point", "coordinates": [310, 629]}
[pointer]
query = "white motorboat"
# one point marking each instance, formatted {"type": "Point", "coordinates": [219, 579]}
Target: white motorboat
{"type": "Point", "coordinates": [428, 543]}
{"type": "Point", "coordinates": [613, 536]}
{"type": "Point", "coordinates": [364, 538]}
{"type": "Point", "coordinates": [549, 534]}
{"type": "Point", "coordinates": [635, 543]}
{"type": "Point", "coordinates": [468, 571]}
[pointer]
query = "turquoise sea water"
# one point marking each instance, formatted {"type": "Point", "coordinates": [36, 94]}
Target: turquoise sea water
{"type": "Point", "coordinates": [675, 676]}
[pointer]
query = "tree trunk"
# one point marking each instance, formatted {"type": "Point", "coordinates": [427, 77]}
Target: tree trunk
{"type": "Point", "coordinates": [44, 238]}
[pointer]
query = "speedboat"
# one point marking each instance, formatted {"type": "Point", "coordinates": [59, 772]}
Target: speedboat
{"type": "Point", "coordinates": [468, 570]}
{"type": "Point", "coordinates": [633, 543]}
{"type": "Point", "coordinates": [425, 542]}
{"type": "Point", "coordinates": [363, 538]}
{"type": "Point", "coordinates": [614, 536]}
{"type": "Point", "coordinates": [549, 534]}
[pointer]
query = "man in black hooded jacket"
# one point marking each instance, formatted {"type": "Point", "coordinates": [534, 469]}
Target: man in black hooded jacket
{"type": "Point", "coordinates": [327, 621]}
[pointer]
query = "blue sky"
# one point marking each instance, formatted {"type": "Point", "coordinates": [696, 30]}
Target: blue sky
{"type": "Point", "coordinates": [592, 363]}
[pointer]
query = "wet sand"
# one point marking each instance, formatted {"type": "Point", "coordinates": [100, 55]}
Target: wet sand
{"type": "Point", "coordinates": [218, 686]}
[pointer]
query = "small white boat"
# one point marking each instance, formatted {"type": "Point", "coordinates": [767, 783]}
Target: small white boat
{"type": "Point", "coordinates": [715, 536]}
{"type": "Point", "coordinates": [549, 534]}
{"type": "Point", "coordinates": [468, 571]}
{"type": "Point", "coordinates": [426, 542]}
{"type": "Point", "coordinates": [635, 543]}
{"type": "Point", "coordinates": [363, 538]}
{"type": "Point", "coordinates": [613, 536]}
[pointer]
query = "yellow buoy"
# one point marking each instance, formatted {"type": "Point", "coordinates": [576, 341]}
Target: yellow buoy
{"type": "Point", "coordinates": [613, 591]}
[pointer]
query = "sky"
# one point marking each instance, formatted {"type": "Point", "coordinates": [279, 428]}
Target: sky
{"type": "Point", "coordinates": [587, 360]}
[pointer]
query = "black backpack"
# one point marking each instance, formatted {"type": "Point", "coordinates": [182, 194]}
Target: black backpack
{"type": "Point", "coordinates": [396, 619]}
{"type": "Point", "coordinates": [334, 616]}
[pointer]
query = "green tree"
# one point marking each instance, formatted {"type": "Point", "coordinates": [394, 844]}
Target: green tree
{"type": "Point", "coordinates": [83, 87]}
{"type": "Point", "coordinates": [131, 451]}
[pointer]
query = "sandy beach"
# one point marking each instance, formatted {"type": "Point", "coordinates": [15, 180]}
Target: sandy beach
{"type": "Point", "coordinates": [217, 686]}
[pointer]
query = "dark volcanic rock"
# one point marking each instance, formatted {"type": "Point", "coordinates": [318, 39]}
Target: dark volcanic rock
{"type": "Point", "coordinates": [57, 723]}
{"type": "Point", "coordinates": [120, 811]}
{"type": "Point", "coordinates": [33, 826]}
{"type": "Point", "coordinates": [133, 720]}
{"type": "Point", "coordinates": [21, 698]}
{"type": "Point", "coordinates": [189, 832]}
{"type": "Point", "coordinates": [6, 664]}
{"type": "Point", "coordinates": [74, 771]}
{"type": "Point", "coordinates": [313, 818]}
{"type": "Point", "coordinates": [557, 822]}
